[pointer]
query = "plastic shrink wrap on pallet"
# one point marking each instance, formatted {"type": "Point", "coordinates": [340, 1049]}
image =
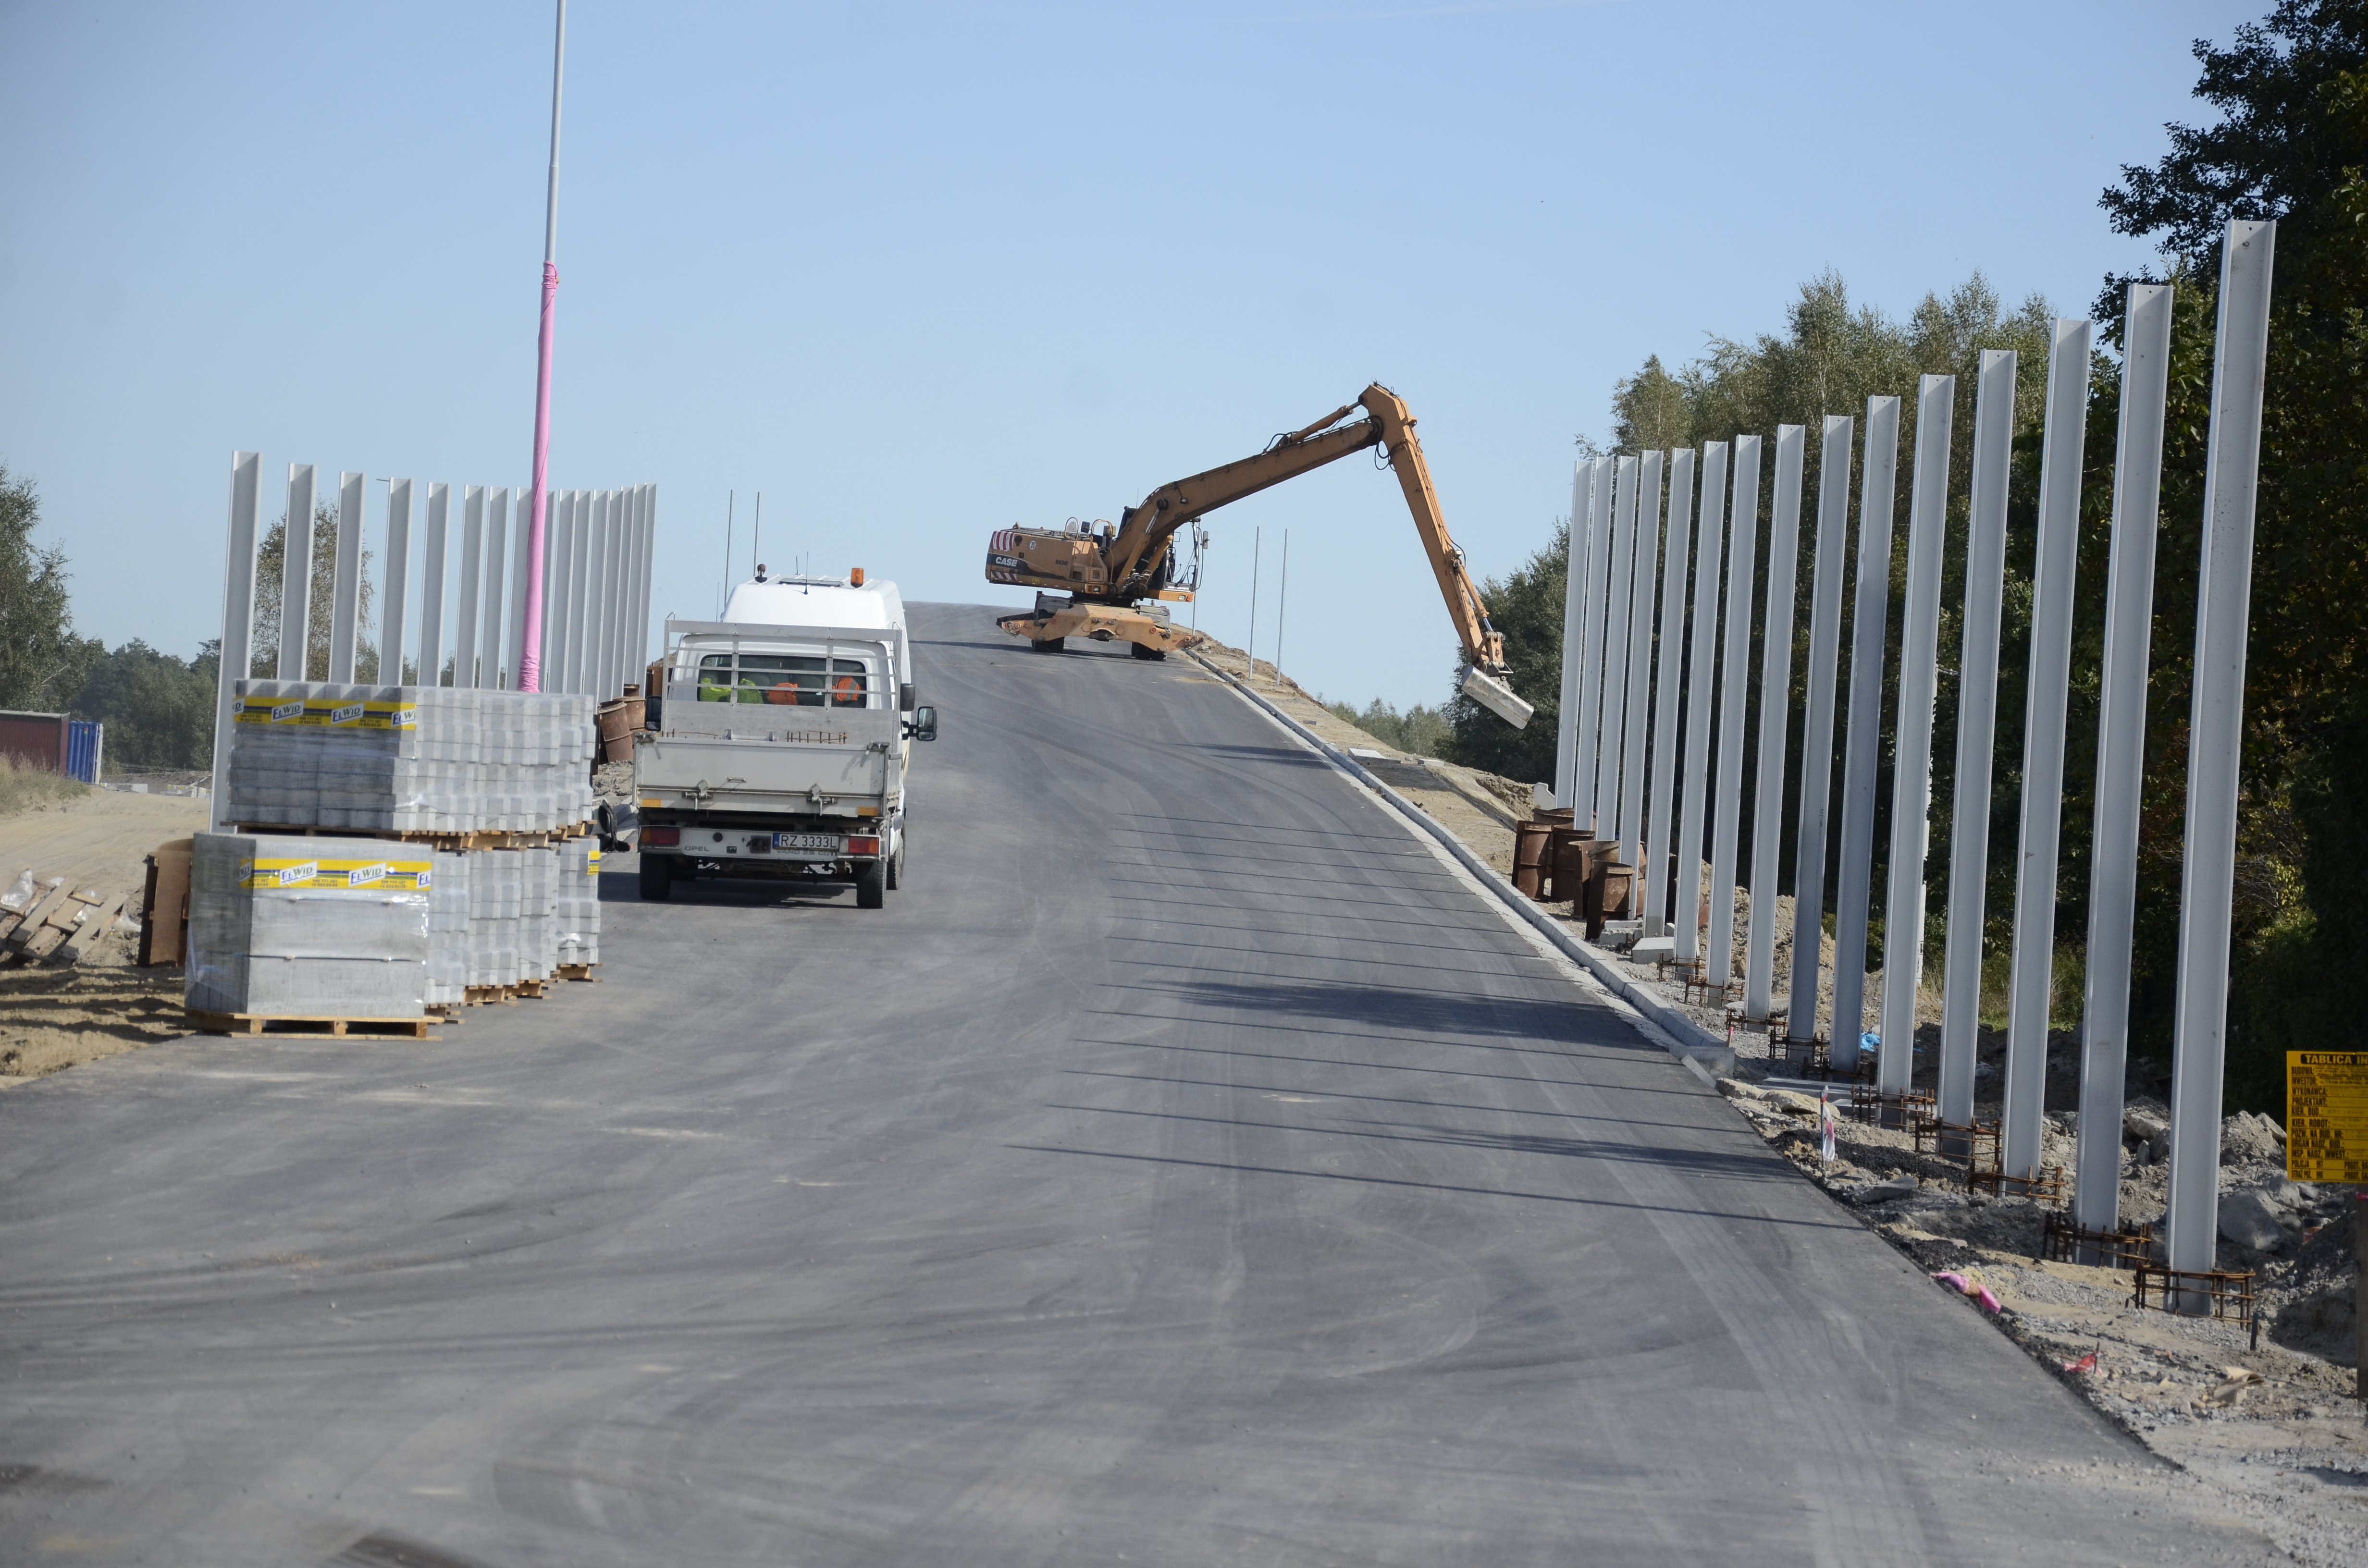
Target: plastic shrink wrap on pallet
{"type": "Point", "coordinates": [579, 901]}
{"type": "Point", "coordinates": [309, 928]}
{"type": "Point", "coordinates": [409, 758]}
{"type": "Point", "coordinates": [448, 931]}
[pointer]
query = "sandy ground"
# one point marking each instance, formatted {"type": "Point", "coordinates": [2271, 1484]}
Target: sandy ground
{"type": "Point", "coordinates": [98, 841]}
{"type": "Point", "coordinates": [53, 1017]}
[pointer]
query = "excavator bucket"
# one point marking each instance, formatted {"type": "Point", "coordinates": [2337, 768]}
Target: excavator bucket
{"type": "Point", "coordinates": [1495, 696]}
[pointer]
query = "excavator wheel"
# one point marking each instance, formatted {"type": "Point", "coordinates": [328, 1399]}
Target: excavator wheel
{"type": "Point", "coordinates": [1142, 651]}
{"type": "Point", "coordinates": [1047, 645]}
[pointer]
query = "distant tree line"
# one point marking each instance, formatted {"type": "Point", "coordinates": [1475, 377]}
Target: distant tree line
{"type": "Point", "coordinates": [2292, 145]}
{"type": "Point", "coordinates": [158, 708]}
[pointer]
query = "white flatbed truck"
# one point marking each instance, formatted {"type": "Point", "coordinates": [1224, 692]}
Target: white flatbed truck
{"type": "Point", "coordinates": [779, 744]}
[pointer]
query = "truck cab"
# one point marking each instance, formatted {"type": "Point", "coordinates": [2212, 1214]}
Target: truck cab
{"type": "Point", "coordinates": [780, 741]}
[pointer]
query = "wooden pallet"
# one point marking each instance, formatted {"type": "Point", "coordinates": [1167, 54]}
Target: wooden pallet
{"type": "Point", "coordinates": [298, 1027]}
{"type": "Point", "coordinates": [502, 995]}
{"type": "Point", "coordinates": [450, 843]}
{"type": "Point", "coordinates": [61, 925]}
{"type": "Point", "coordinates": [582, 972]}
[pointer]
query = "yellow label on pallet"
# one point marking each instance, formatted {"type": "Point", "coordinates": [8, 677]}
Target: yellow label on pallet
{"type": "Point", "coordinates": [2327, 1115]}
{"type": "Point", "coordinates": [396, 876]}
{"type": "Point", "coordinates": [325, 714]}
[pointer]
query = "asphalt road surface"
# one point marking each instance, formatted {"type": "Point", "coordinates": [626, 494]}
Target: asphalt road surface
{"type": "Point", "coordinates": [1186, 1167]}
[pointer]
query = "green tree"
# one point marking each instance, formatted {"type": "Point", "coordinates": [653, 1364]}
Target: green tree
{"type": "Point", "coordinates": [2290, 142]}
{"type": "Point", "coordinates": [39, 655]}
{"type": "Point", "coordinates": [270, 575]}
{"type": "Point", "coordinates": [159, 710]}
{"type": "Point", "coordinates": [1527, 606]}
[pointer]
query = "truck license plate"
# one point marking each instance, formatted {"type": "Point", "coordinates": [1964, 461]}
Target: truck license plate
{"type": "Point", "coordinates": [805, 841]}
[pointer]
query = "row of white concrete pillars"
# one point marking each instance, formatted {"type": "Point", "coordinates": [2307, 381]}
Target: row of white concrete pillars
{"type": "Point", "coordinates": [1635, 757]}
{"type": "Point", "coordinates": [598, 552]}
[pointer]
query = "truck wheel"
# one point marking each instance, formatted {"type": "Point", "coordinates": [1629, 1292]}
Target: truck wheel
{"type": "Point", "coordinates": [871, 884]}
{"type": "Point", "coordinates": [658, 877]}
{"type": "Point", "coordinates": [1143, 651]}
{"type": "Point", "coordinates": [1047, 645]}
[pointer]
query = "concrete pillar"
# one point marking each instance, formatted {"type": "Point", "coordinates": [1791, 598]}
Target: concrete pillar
{"type": "Point", "coordinates": [296, 573]}
{"type": "Point", "coordinates": [1669, 687]}
{"type": "Point", "coordinates": [1977, 659]}
{"type": "Point", "coordinates": [2215, 731]}
{"type": "Point", "coordinates": [2047, 696]}
{"type": "Point", "coordinates": [346, 580]}
{"type": "Point", "coordinates": [1775, 710]}
{"type": "Point", "coordinates": [1817, 726]}
{"type": "Point", "coordinates": [1733, 689]}
{"type": "Point", "coordinates": [238, 619]}
{"type": "Point", "coordinates": [2121, 757]}
{"type": "Point", "coordinates": [1877, 497]}
{"type": "Point", "coordinates": [1911, 746]}
{"type": "Point", "coordinates": [1694, 816]}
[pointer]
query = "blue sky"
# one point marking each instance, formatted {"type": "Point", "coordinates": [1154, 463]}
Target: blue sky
{"type": "Point", "coordinates": [916, 273]}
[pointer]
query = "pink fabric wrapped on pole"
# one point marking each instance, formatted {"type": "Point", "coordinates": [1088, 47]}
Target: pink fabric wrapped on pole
{"type": "Point", "coordinates": [530, 658]}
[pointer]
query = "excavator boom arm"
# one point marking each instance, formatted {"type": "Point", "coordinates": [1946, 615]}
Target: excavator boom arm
{"type": "Point", "coordinates": [1143, 536]}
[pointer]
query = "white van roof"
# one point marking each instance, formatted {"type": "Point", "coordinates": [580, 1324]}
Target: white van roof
{"type": "Point", "coordinates": [817, 601]}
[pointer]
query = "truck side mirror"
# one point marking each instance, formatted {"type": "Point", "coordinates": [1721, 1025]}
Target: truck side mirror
{"type": "Point", "coordinates": [904, 698]}
{"type": "Point", "coordinates": [924, 726]}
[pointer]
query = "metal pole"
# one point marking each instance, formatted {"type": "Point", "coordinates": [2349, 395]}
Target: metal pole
{"type": "Point", "coordinates": [1615, 650]}
{"type": "Point", "coordinates": [757, 535]}
{"type": "Point", "coordinates": [490, 674]}
{"type": "Point", "coordinates": [1590, 638]}
{"type": "Point", "coordinates": [2215, 746]}
{"type": "Point", "coordinates": [1668, 687]}
{"type": "Point", "coordinates": [1574, 618]}
{"type": "Point", "coordinates": [1733, 690]}
{"type": "Point", "coordinates": [345, 601]}
{"type": "Point", "coordinates": [2046, 698]}
{"type": "Point", "coordinates": [296, 573]}
{"type": "Point", "coordinates": [472, 553]}
{"type": "Point", "coordinates": [1818, 727]}
{"type": "Point", "coordinates": [1636, 708]}
{"type": "Point", "coordinates": [724, 593]}
{"type": "Point", "coordinates": [431, 588]}
{"type": "Point", "coordinates": [396, 610]}
{"type": "Point", "coordinates": [1775, 712]}
{"type": "Point", "coordinates": [1250, 653]}
{"type": "Point", "coordinates": [531, 640]}
{"type": "Point", "coordinates": [1978, 659]}
{"type": "Point", "coordinates": [1282, 607]}
{"type": "Point", "coordinates": [2121, 757]}
{"type": "Point", "coordinates": [1878, 496]}
{"type": "Point", "coordinates": [238, 620]}
{"type": "Point", "coordinates": [1693, 819]}
{"type": "Point", "coordinates": [1912, 742]}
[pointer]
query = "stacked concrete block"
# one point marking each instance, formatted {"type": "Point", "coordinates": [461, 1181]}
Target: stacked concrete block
{"type": "Point", "coordinates": [448, 930]}
{"type": "Point", "coordinates": [579, 901]}
{"type": "Point", "coordinates": [309, 928]}
{"type": "Point", "coordinates": [409, 758]}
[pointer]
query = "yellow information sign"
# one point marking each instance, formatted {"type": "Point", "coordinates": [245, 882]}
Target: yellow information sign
{"type": "Point", "coordinates": [2327, 1115]}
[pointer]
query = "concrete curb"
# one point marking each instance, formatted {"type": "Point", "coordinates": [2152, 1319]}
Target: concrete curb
{"type": "Point", "coordinates": [1662, 1025]}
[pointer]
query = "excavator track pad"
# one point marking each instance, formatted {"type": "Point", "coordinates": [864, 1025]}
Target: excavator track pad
{"type": "Point", "coordinates": [1101, 623]}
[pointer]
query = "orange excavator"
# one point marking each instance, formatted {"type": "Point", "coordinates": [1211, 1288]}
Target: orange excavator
{"type": "Point", "coordinates": [1113, 582]}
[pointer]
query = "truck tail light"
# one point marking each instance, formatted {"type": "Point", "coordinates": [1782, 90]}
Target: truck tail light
{"type": "Point", "coordinates": [655, 835]}
{"type": "Point", "coordinates": [862, 843]}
